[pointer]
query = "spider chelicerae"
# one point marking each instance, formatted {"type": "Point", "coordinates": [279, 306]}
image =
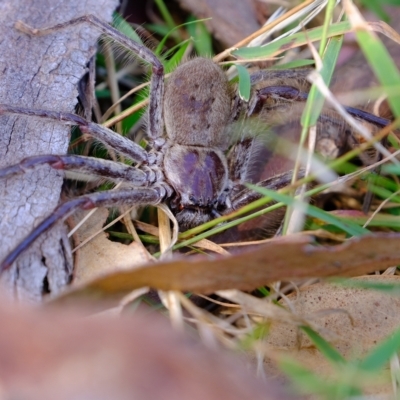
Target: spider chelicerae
{"type": "Point", "coordinates": [193, 164]}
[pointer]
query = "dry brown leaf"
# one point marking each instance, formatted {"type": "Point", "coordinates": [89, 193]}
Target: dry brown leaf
{"type": "Point", "coordinates": [280, 259]}
{"type": "Point", "coordinates": [230, 20]}
{"type": "Point", "coordinates": [385, 29]}
{"type": "Point", "coordinates": [352, 320]}
{"type": "Point", "coordinates": [60, 355]}
{"type": "Point", "coordinates": [101, 256]}
{"type": "Point", "coordinates": [211, 246]}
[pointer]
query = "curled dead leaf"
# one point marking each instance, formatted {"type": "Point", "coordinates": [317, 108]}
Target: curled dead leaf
{"type": "Point", "coordinates": [284, 258]}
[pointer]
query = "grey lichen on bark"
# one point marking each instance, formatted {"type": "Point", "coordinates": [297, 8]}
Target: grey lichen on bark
{"type": "Point", "coordinates": [39, 72]}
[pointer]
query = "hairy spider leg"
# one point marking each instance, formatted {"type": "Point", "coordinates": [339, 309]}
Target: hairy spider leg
{"type": "Point", "coordinates": [119, 143]}
{"type": "Point", "coordinates": [136, 196]}
{"type": "Point", "coordinates": [246, 195]}
{"type": "Point", "coordinates": [292, 93]}
{"type": "Point", "coordinates": [155, 125]}
{"type": "Point", "coordinates": [112, 170]}
{"type": "Point", "coordinates": [109, 198]}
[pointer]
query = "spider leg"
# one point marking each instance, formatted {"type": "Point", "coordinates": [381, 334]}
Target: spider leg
{"type": "Point", "coordinates": [136, 196]}
{"type": "Point", "coordinates": [105, 168]}
{"type": "Point", "coordinates": [155, 122]}
{"type": "Point", "coordinates": [284, 92]}
{"type": "Point", "coordinates": [282, 106]}
{"type": "Point", "coordinates": [238, 158]}
{"type": "Point", "coordinates": [270, 77]}
{"type": "Point", "coordinates": [265, 225]}
{"type": "Point", "coordinates": [247, 158]}
{"type": "Point", "coordinates": [105, 135]}
{"type": "Point", "coordinates": [245, 195]}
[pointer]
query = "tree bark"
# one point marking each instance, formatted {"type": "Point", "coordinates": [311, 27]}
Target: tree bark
{"type": "Point", "coordinates": [43, 73]}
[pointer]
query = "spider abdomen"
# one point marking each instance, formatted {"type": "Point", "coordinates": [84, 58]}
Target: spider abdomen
{"type": "Point", "coordinates": [197, 104]}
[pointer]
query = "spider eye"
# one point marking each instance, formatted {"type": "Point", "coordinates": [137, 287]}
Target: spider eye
{"type": "Point", "coordinates": [180, 207]}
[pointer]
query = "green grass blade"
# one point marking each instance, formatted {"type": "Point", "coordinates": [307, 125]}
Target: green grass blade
{"type": "Point", "coordinates": [384, 287]}
{"type": "Point", "coordinates": [379, 220]}
{"type": "Point", "coordinates": [323, 346]}
{"type": "Point", "coordinates": [377, 56]}
{"type": "Point", "coordinates": [376, 7]}
{"type": "Point", "coordinates": [293, 64]}
{"type": "Point", "coordinates": [167, 34]}
{"type": "Point", "coordinates": [346, 226]}
{"type": "Point", "coordinates": [315, 101]}
{"type": "Point", "coordinates": [202, 38]}
{"type": "Point", "coordinates": [124, 27]}
{"type": "Point", "coordinates": [296, 40]}
{"type": "Point", "coordinates": [383, 65]}
{"type": "Point", "coordinates": [176, 59]}
{"type": "Point", "coordinates": [391, 169]}
{"type": "Point", "coordinates": [381, 354]}
{"type": "Point", "coordinates": [244, 82]}
{"type": "Point", "coordinates": [311, 383]}
{"type": "Point", "coordinates": [166, 15]}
